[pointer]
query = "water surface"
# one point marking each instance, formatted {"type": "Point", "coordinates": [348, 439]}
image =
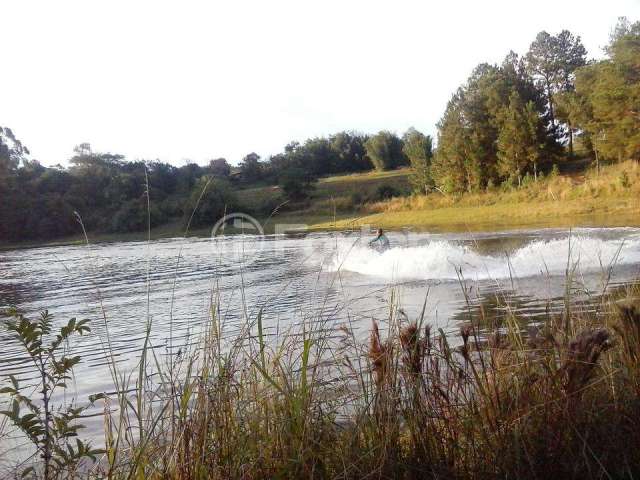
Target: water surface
{"type": "Point", "coordinates": [328, 277]}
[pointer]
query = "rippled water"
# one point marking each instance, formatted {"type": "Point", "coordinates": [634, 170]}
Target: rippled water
{"type": "Point", "coordinates": [328, 277]}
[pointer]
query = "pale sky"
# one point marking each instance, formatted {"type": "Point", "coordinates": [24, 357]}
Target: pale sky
{"type": "Point", "coordinates": [204, 79]}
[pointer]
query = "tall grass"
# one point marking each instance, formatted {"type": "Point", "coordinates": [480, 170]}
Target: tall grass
{"type": "Point", "coordinates": [620, 181]}
{"type": "Point", "coordinates": [409, 402]}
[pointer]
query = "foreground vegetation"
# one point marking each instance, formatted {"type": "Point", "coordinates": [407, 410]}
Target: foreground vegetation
{"type": "Point", "coordinates": [561, 401]}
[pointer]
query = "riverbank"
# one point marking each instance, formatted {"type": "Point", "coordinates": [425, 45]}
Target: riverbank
{"type": "Point", "coordinates": [582, 198]}
{"type": "Point", "coordinates": [610, 197]}
{"type": "Point", "coordinates": [575, 213]}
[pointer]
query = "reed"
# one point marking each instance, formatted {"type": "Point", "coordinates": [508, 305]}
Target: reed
{"type": "Point", "coordinates": [408, 403]}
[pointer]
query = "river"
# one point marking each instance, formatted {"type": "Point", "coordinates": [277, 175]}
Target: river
{"type": "Point", "coordinates": [329, 277]}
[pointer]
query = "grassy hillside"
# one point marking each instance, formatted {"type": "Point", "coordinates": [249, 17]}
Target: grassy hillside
{"type": "Point", "coordinates": [579, 197]}
{"type": "Point", "coordinates": [347, 191]}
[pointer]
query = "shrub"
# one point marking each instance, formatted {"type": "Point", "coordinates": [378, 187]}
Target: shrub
{"type": "Point", "coordinates": [266, 206]}
{"type": "Point", "coordinates": [51, 429]}
{"type": "Point", "coordinates": [135, 216]}
{"type": "Point", "coordinates": [297, 184]}
{"type": "Point", "coordinates": [507, 184]}
{"type": "Point", "coordinates": [527, 180]}
{"type": "Point", "coordinates": [356, 199]}
{"type": "Point", "coordinates": [384, 192]}
{"type": "Point", "coordinates": [210, 200]}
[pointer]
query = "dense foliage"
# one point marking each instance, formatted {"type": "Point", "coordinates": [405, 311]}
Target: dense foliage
{"type": "Point", "coordinates": [385, 151]}
{"type": "Point", "coordinates": [495, 128]}
{"type": "Point", "coordinates": [606, 101]}
{"type": "Point", "coordinates": [111, 194]}
{"type": "Point", "coordinates": [418, 149]}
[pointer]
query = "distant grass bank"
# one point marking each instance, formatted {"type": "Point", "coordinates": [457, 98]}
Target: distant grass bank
{"type": "Point", "coordinates": [578, 198]}
{"type": "Point", "coordinates": [574, 213]}
{"type": "Point", "coordinates": [588, 198]}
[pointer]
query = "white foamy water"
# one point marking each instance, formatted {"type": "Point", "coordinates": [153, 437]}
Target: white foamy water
{"type": "Point", "coordinates": [440, 259]}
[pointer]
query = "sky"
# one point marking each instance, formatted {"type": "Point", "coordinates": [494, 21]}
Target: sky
{"type": "Point", "coordinates": [193, 80]}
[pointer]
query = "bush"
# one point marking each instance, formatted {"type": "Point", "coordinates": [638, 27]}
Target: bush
{"type": "Point", "coordinates": [507, 184]}
{"type": "Point", "coordinates": [52, 429]}
{"type": "Point", "coordinates": [527, 180]}
{"type": "Point", "coordinates": [134, 216]}
{"type": "Point", "coordinates": [210, 200]}
{"type": "Point", "coordinates": [297, 184]}
{"type": "Point", "coordinates": [384, 192]}
{"type": "Point", "coordinates": [356, 199]}
{"type": "Point", "coordinates": [269, 205]}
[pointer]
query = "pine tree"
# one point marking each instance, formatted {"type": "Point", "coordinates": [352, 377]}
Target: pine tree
{"type": "Point", "coordinates": [448, 167]}
{"type": "Point", "coordinates": [418, 148]}
{"type": "Point", "coordinates": [608, 97]}
{"type": "Point", "coordinates": [468, 135]}
{"type": "Point", "coordinates": [553, 60]}
{"type": "Point", "coordinates": [518, 142]}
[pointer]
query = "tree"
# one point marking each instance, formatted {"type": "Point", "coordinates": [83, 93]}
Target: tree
{"type": "Point", "coordinates": [418, 148]}
{"type": "Point", "coordinates": [385, 151]}
{"type": "Point", "coordinates": [251, 168]}
{"type": "Point", "coordinates": [12, 151]}
{"type": "Point", "coordinates": [317, 157]}
{"type": "Point", "coordinates": [518, 140]}
{"type": "Point", "coordinates": [552, 61]}
{"type": "Point", "coordinates": [607, 97]}
{"type": "Point", "coordinates": [448, 169]}
{"type": "Point", "coordinates": [188, 175]}
{"type": "Point", "coordinates": [351, 152]}
{"type": "Point", "coordinates": [219, 167]}
{"type": "Point", "coordinates": [209, 201]}
{"type": "Point", "coordinates": [467, 156]}
{"type": "Point", "coordinates": [296, 183]}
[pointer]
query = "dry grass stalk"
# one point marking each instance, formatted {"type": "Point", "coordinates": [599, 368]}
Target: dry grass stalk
{"type": "Point", "coordinates": [379, 354]}
{"type": "Point", "coordinates": [413, 349]}
{"type": "Point", "coordinates": [582, 358]}
{"type": "Point", "coordinates": [629, 326]}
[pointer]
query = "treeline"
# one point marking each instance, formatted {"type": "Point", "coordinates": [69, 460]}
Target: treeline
{"type": "Point", "coordinates": [509, 121]}
{"type": "Point", "coordinates": [109, 193]}
{"type": "Point", "coordinates": [507, 125]}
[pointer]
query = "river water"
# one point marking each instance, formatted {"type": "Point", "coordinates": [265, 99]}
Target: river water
{"type": "Point", "coordinates": [329, 277]}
